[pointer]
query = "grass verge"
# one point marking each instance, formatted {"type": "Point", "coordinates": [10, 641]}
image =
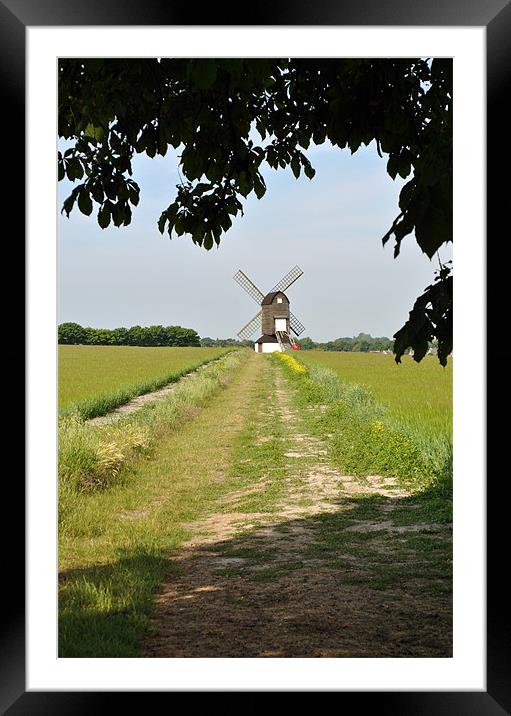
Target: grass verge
{"type": "Point", "coordinates": [418, 393]}
{"type": "Point", "coordinates": [365, 439]}
{"type": "Point", "coordinates": [93, 457]}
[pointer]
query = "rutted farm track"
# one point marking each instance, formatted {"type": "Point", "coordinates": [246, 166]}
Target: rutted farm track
{"type": "Point", "coordinates": [153, 397]}
{"type": "Point", "coordinates": [300, 560]}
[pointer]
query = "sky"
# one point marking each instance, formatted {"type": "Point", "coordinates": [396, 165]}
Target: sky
{"type": "Point", "coordinates": [330, 226]}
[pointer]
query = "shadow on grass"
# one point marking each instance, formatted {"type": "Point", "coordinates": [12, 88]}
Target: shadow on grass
{"type": "Point", "coordinates": [103, 609]}
{"type": "Point", "coordinates": [368, 580]}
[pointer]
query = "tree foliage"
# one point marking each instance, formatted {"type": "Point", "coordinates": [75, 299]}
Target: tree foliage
{"type": "Point", "coordinates": [362, 343]}
{"type": "Point", "coordinates": [71, 333]}
{"type": "Point", "coordinates": [134, 336]}
{"type": "Point", "coordinates": [225, 342]}
{"type": "Point", "coordinates": [113, 108]}
{"type": "Point", "coordinates": [430, 317]}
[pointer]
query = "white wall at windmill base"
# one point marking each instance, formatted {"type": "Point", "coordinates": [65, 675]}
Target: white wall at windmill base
{"type": "Point", "coordinates": [267, 347]}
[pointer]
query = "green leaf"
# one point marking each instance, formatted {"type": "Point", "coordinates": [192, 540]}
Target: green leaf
{"type": "Point", "coordinates": [104, 216]}
{"type": "Point", "coordinates": [162, 147]}
{"type": "Point", "coordinates": [178, 226]}
{"type": "Point", "coordinates": [393, 165]}
{"type": "Point", "coordinates": [85, 202]}
{"type": "Point", "coordinates": [309, 170]}
{"type": "Point", "coordinates": [134, 195]}
{"type": "Point", "coordinates": [271, 157]}
{"type": "Point", "coordinates": [208, 241]}
{"type": "Point", "coordinates": [123, 191]}
{"type": "Point", "coordinates": [150, 149]}
{"type": "Point", "coordinates": [387, 236]}
{"type": "Point", "coordinates": [162, 221]}
{"type": "Point", "coordinates": [304, 139]}
{"type": "Point", "coordinates": [406, 194]}
{"type": "Point", "coordinates": [225, 222]}
{"type": "Point", "coordinates": [404, 166]}
{"type": "Point", "coordinates": [295, 165]}
{"type": "Point", "coordinates": [217, 233]}
{"type": "Point", "coordinates": [244, 183]}
{"type": "Point", "coordinates": [232, 206]}
{"type": "Point", "coordinates": [69, 202]}
{"type": "Point", "coordinates": [432, 231]}
{"type": "Point", "coordinates": [115, 142]}
{"type": "Point", "coordinates": [93, 132]}
{"type": "Point", "coordinates": [201, 188]}
{"type": "Point", "coordinates": [111, 190]}
{"type": "Point", "coordinates": [97, 192]}
{"type": "Point", "coordinates": [261, 128]}
{"type": "Point", "coordinates": [74, 169]}
{"type": "Point", "coordinates": [259, 186]}
{"type": "Point", "coordinates": [118, 214]}
{"type": "Point", "coordinates": [172, 211]}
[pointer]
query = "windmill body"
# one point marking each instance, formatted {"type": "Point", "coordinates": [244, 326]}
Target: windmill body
{"type": "Point", "coordinates": [274, 319]}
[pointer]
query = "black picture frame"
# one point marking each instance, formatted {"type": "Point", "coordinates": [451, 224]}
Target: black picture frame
{"type": "Point", "coordinates": [495, 15]}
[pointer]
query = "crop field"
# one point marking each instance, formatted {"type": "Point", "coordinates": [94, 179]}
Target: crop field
{"type": "Point", "coordinates": [87, 373]}
{"type": "Point", "coordinates": [418, 393]}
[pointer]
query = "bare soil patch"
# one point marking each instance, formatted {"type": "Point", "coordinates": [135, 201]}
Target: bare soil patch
{"type": "Point", "coordinates": [207, 611]}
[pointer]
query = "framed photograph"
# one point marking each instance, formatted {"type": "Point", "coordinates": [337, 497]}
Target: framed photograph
{"type": "Point", "coordinates": [38, 674]}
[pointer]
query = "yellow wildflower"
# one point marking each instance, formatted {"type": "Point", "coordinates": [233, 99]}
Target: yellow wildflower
{"type": "Point", "coordinates": [292, 363]}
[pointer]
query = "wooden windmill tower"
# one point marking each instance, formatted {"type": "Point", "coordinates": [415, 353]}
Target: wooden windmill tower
{"type": "Point", "coordinates": [274, 319]}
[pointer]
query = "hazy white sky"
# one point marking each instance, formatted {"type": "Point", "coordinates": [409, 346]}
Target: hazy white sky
{"type": "Point", "coordinates": [331, 227]}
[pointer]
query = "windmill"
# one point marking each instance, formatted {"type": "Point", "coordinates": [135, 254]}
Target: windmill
{"type": "Point", "coordinates": [274, 318]}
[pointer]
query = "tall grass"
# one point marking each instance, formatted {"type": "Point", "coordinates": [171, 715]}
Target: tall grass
{"type": "Point", "coordinates": [417, 393]}
{"type": "Point", "coordinates": [93, 380]}
{"type": "Point", "coordinates": [367, 438]}
{"type": "Point", "coordinates": [94, 457]}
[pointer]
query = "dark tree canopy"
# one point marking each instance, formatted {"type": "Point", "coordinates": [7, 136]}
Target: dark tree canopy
{"type": "Point", "coordinates": [135, 336]}
{"type": "Point", "coordinates": [113, 108]}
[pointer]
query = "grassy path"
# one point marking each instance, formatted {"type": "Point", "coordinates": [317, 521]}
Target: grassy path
{"type": "Point", "coordinates": [297, 559]}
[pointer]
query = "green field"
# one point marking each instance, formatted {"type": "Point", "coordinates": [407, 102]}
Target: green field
{"type": "Point", "coordinates": [86, 372]}
{"type": "Point", "coordinates": [419, 393]}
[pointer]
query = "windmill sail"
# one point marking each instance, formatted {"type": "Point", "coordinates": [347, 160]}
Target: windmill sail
{"type": "Point", "coordinates": [249, 328]}
{"type": "Point", "coordinates": [288, 279]}
{"type": "Point", "coordinates": [249, 287]}
{"type": "Point", "coordinates": [295, 324]}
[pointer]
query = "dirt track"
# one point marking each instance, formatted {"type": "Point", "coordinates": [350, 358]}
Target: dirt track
{"type": "Point", "coordinates": [328, 571]}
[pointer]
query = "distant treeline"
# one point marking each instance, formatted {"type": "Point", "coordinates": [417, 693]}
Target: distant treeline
{"type": "Point", "coordinates": [73, 333]}
{"type": "Point", "coordinates": [363, 343]}
{"type": "Point", "coordinates": [224, 342]}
